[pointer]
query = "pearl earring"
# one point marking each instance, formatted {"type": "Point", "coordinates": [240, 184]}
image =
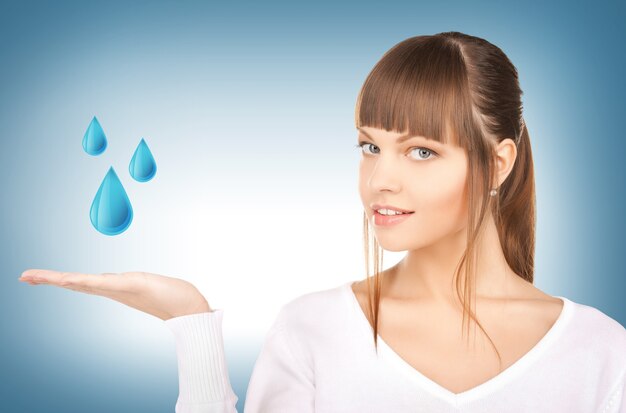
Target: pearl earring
{"type": "Point", "coordinates": [493, 192]}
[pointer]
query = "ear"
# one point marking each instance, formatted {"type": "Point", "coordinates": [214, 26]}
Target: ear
{"type": "Point", "coordinates": [506, 153]}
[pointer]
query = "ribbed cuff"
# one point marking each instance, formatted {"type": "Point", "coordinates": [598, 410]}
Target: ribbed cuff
{"type": "Point", "coordinates": [202, 371]}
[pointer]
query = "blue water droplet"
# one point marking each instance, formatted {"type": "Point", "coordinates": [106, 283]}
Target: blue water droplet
{"type": "Point", "coordinates": [142, 167]}
{"type": "Point", "coordinates": [111, 212]}
{"type": "Point", "coordinates": [94, 141]}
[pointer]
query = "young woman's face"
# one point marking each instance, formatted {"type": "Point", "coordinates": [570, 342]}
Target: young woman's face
{"type": "Point", "coordinates": [414, 174]}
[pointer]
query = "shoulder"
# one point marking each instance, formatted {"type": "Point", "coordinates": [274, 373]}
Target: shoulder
{"type": "Point", "coordinates": [588, 323]}
{"type": "Point", "coordinates": [599, 323]}
{"type": "Point", "coordinates": [314, 321]}
{"type": "Point", "coordinates": [315, 307]}
{"type": "Point", "coordinates": [598, 333]}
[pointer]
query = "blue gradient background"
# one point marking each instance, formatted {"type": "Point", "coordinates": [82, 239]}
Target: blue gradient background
{"type": "Point", "coordinates": [248, 109]}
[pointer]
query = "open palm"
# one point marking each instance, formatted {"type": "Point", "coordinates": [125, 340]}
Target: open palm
{"type": "Point", "coordinates": [161, 296]}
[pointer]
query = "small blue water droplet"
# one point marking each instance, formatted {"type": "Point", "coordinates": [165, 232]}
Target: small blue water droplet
{"type": "Point", "coordinates": [142, 166]}
{"type": "Point", "coordinates": [94, 141]}
{"type": "Point", "coordinates": [111, 212]}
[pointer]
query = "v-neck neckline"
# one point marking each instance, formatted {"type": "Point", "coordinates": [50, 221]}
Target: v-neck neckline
{"type": "Point", "coordinates": [493, 384]}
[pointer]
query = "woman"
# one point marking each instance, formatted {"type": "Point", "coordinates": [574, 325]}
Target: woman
{"type": "Point", "coordinates": [446, 175]}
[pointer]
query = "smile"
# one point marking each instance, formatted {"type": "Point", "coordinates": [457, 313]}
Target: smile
{"type": "Point", "coordinates": [392, 219]}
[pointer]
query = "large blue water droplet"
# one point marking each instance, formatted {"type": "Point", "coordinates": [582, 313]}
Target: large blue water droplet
{"type": "Point", "coordinates": [111, 212]}
{"type": "Point", "coordinates": [142, 166]}
{"type": "Point", "coordinates": [94, 141]}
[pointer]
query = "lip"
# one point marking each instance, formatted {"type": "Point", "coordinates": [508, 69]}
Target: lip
{"type": "Point", "coordinates": [389, 220]}
{"type": "Point", "coordinates": [376, 207]}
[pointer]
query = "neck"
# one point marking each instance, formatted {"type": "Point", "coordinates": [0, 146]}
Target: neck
{"type": "Point", "coordinates": [428, 273]}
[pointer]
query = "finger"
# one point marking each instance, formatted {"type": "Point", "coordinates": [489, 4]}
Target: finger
{"type": "Point", "coordinates": [34, 276]}
{"type": "Point", "coordinates": [101, 284]}
{"type": "Point", "coordinates": [75, 281]}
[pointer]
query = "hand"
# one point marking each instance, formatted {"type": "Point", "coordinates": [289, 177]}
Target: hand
{"type": "Point", "coordinates": [158, 295]}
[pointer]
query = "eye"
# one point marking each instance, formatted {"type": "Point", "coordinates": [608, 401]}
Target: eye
{"type": "Point", "coordinates": [423, 153]}
{"type": "Point", "coordinates": [363, 145]}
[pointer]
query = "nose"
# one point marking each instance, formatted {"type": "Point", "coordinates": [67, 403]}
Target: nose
{"type": "Point", "coordinates": [385, 175]}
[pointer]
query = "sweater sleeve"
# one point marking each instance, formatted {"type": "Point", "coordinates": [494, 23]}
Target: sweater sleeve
{"type": "Point", "coordinates": [203, 381]}
{"type": "Point", "coordinates": [617, 399]}
{"type": "Point", "coordinates": [622, 401]}
{"type": "Point", "coordinates": [282, 380]}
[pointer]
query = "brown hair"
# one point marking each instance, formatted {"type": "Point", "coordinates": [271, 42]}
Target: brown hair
{"type": "Point", "coordinates": [459, 89]}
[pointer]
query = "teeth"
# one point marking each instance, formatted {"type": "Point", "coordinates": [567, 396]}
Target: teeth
{"type": "Point", "coordinates": [390, 212]}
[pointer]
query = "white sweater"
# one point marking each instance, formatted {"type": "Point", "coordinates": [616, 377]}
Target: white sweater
{"type": "Point", "coordinates": [319, 356]}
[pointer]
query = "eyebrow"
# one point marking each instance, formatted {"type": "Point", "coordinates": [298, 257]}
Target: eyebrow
{"type": "Point", "coordinates": [400, 138]}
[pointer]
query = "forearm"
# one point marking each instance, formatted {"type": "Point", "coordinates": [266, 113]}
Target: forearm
{"type": "Point", "coordinates": [204, 384]}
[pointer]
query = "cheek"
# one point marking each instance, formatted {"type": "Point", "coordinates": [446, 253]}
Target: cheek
{"type": "Point", "coordinates": [363, 190]}
{"type": "Point", "coordinates": [447, 206]}
{"type": "Point", "coordinates": [440, 209]}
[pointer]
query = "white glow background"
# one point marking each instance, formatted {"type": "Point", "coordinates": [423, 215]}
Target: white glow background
{"type": "Point", "coordinates": [249, 113]}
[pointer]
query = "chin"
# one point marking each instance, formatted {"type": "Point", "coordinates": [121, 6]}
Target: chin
{"type": "Point", "coordinates": [390, 244]}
